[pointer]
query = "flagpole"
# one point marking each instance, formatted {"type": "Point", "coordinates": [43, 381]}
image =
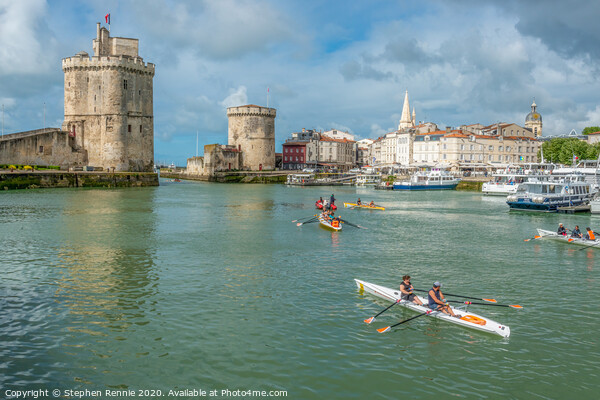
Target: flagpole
{"type": "Point", "coordinates": [196, 143]}
{"type": "Point", "coordinates": [267, 97]}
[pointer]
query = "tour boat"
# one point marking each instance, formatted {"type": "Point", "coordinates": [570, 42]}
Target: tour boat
{"type": "Point", "coordinates": [506, 181]}
{"type": "Point", "coordinates": [365, 206]}
{"type": "Point", "coordinates": [467, 319]}
{"type": "Point", "coordinates": [547, 196]}
{"type": "Point", "coordinates": [545, 234]}
{"type": "Point", "coordinates": [432, 180]}
{"type": "Point", "coordinates": [595, 205]}
{"type": "Point", "coordinates": [329, 225]}
{"type": "Point", "coordinates": [368, 179]}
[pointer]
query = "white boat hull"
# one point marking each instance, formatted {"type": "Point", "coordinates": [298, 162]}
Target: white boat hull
{"type": "Point", "coordinates": [385, 293]}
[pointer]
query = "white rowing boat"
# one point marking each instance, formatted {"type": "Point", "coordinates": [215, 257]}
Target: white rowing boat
{"type": "Point", "coordinates": [467, 319]}
{"type": "Point", "coordinates": [567, 239]}
{"type": "Point", "coordinates": [335, 226]}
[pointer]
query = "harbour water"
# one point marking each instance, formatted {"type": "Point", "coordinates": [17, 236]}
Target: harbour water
{"type": "Point", "coordinates": [210, 286]}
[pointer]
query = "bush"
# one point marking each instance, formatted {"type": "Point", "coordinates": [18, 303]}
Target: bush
{"type": "Point", "coordinates": [27, 168]}
{"type": "Point", "coordinates": [12, 167]}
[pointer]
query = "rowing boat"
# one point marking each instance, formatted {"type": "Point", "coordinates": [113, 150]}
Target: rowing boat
{"type": "Point", "coordinates": [567, 239]}
{"type": "Point", "coordinates": [368, 207]}
{"type": "Point", "coordinates": [329, 225]}
{"type": "Point", "coordinates": [467, 319]}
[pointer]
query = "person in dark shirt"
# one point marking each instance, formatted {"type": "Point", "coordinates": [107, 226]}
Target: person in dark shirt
{"type": "Point", "coordinates": [576, 233]}
{"type": "Point", "coordinates": [407, 291]}
{"type": "Point", "coordinates": [561, 230]}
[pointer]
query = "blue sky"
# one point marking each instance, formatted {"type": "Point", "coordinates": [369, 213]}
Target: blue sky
{"type": "Point", "coordinates": [333, 64]}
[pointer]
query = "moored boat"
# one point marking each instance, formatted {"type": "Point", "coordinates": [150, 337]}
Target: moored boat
{"type": "Point", "coordinates": [545, 234]}
{"type": "Point", "coordinates": [506, 181]}
{"type": "Point", "coordinates": [433, 180]}
{"type": "Point", "coordinates": [364, 206]}
{"type": "Point", "coordinates": [547, 196]}
{"type": "Point", "coordinates": [325, 223]}
{"type": "Point", "coordinates": [467, 319]}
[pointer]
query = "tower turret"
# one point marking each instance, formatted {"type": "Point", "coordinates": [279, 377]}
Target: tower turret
{"type": "Point", "coordinates": [405, 120]}
{"type": "Point", "coordinates": [252, 131]}
{"type": "Point", "coordinates": [533, 121]}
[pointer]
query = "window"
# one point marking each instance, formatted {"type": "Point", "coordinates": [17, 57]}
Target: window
{"type": "Point", "coordinates": [444, 147]}
{"type": "Point", "coordinates": [94, 97]}
{"type": "Point", "coordinates": [41, 149]}
{"type": "Point", "coordinates": [285, 158]}
{"type": "Point", "coordinates": [140, 129]}
{"type": "Point", "coordinates": [471, 147]}
{"type": "Point", "coordinates": [129, 128]}
{"type": "Point", "coordinates": [139, 92]}
{"type": "Point", "coordinates": [491, 148]}
{"type": "Point", "coordinates": [462, 146]}
{"type": "Point", "coordinates": [444, 155]}
{"type": "Point", "coordinates": [124, 83]}
{"type": "Point", "coordinates": [500, 148]}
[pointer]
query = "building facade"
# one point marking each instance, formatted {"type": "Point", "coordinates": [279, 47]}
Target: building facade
{"type": "Point", "coordinates": [294, 155]}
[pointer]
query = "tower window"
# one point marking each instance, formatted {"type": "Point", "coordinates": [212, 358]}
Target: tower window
{"type": "Point", "coordinates": [129, 128]}
{"type": "Point", "coordinates": [139, 92]}
{"type": "Point", "coordinates": [41, 149]}
{"type": "Point", "coordinates": [124, 83]}
{"type": "Point", "coordinates": [94, 97]}
{"type": "Point", "coordinates": [98, 87]}
{"type": "Point", "coordinates": [88, 79]}
{"type": "Point", "coordinates": [140, 129]}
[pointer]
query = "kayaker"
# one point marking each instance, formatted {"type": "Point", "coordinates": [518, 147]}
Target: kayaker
{"type": "Point", "coordinates": [372, 204]}
{"type": "Point", "coordinates": [407, 291]}
{"type": "Point", "coordinates": [561, 230]}
{"type": "Point", "coordinates": [437, 301]}
{"type": "Point", "coordinates": [358, 202]}
{"type": "Point", "coordinates": [590, 234]}
{"type": "Point", "coordinates": [576, 233]}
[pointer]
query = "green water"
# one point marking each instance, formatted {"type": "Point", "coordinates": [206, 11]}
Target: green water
{"type": "Point", "coordinates": [210, 286]}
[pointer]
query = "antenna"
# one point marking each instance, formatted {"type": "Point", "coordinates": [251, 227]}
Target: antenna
{"type": "Point", "coordinates": [196, 142]}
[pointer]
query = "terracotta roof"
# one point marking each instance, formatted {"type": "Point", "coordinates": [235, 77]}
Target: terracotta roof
{"type": "Point", "coordinates": [325, 138]}
{"type": "Point", "coordinates": [294, 144]}
{"type": "Point", "coordinates": [594, 133]}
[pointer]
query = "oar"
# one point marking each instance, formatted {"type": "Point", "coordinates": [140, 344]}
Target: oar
{"type": "Point", "coordinates": [389, 328]}
{"type": "Point", "coordinates": [497, 305]}
{"type": "Point", "coordinates": [587, 247]}
{"type": "Point", "coordinates": [351, 224]}
{"type": "Point", "coordinates": [533, 238]}
{"type": "Point", "coordinates": [300, 219]}
{"type": "Point", "coordinates": [464, 297]}
{"type": "Point", "coordinates": [307, 222]}
{"type": "Point", "coordinates": [369, 320]}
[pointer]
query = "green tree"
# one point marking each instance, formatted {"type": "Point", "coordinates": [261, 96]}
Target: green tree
{"type": "Point", "coordinates": [590, 129]}
{"type": "Point", "coordinates": [561, 150]}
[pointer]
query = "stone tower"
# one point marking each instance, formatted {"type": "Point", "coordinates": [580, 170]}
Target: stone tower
{"type": "Point", "coordinates": [252, 131]}
{"type": "Point", "coordinates": [533, 121]}
{"type": "Point", "coordinates": [405, 120]}
{"type": "Point", "coordinates": [109, 104]}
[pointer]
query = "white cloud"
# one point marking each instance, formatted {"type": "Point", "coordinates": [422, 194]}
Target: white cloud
{"type": "Point", "coordinates": [237, 97]}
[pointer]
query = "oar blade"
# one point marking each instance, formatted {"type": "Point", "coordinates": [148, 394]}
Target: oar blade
{"type": "Point", "coordinates": [384, 330]}
{"type": "Point", "coordinates": [490, 300]}
{"type": "Point", "coordinates": [369, 320]}
{"type": "Point", "coordinates": [515, 306]}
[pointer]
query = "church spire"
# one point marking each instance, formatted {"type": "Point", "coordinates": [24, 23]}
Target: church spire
{"type": "Point", "coordinates": [405, 120]}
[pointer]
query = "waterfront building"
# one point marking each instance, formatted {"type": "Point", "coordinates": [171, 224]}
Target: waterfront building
{"type": "Point", "coordinates": [295, 155]}
{"type": "Point", "coordinates": [426, 147]}
{"type": "Point", "coordinates": [593, 137]}
{"type": "Point", "coordinates": [336, 134]}
{"type": "Point", "coordinates": [336, 153]}
{"type": "Point", "coordinates": [108, 120]}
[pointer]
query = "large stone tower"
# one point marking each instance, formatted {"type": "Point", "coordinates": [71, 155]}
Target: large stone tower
{"type": "Point", "coordinates": [109, 104]}
{"type": "Point", "coordinates": [252, 131]}
{"type": "Point", "coordinates": [533, 121]}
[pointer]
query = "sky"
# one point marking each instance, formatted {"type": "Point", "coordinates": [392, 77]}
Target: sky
{"type": "Point", "coordinates": [326, 64]}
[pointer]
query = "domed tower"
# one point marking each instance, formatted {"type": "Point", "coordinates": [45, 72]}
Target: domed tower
{"type": "Point", "coordinates": [252, 131]}
{"type": "Point", "coordinates": [533, 121]}
{"type": "Point", "coordinates": [109, 104]}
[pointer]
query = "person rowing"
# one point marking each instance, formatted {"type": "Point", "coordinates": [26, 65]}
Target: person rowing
{"type": "Point", "coordinates": [437, 301]}
{"type": "Point", "coordinates": [590, 234]}
{"type": "Point", "coordinates": [358, 202]}
{"type": "Point", "coordinates": [576, 233]}
{"type": "Point", "coordinates": [407, 291]}
{"type": "Point", "coordinates": [372, 204]}
{"type": "Point", "coordinates": [561, 230]}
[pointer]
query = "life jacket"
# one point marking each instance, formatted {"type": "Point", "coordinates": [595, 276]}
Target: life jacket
{"type": "Point", "coordinates": [591, 235]}
{"type": "Point", "coordinates": [335, 223]}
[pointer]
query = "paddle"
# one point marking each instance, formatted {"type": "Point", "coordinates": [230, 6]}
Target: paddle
{"type": "Point", "coordinates": [497, 305]}
{"type": "Point", "coordinates": [533, 238]}
{"type": "Point", "coordinates": [369, 320]}
{"type": "Point", "coordinates": [587, 247]}
{"type": "Point", "coordinates": [351, 224]}
{"type": "Point", "coordinates": [389, 328]}
{"type": "Point", "coordinates": [300, 219]}
{"type": "Point", "coordinates": [457, 295]}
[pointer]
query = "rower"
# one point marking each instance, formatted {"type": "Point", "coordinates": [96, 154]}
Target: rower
{"type": "Point", "coordinates": [358, 202]}
{"type": "Point", "coordinates": [437, 301]}
{"type": "Point", "coordinates": [331, 200]}
{"type": "Point", "coordinates": [372, 204]}
{"type": "Point", "coordinates": [590, 234]}
{"type": "Point", "coordinates": [407, 291]}
{"type": "Point", "coordinates": [561, 230]}
{"type": "Point", "coordinates": [576, 233]}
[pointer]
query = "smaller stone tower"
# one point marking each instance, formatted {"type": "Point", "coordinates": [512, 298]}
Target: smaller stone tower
{"type": "Point", "coordinates": [533, 121]}
{"type": "Point", "coordinates": [252, 131]}
{"type": "Point", "coordinates": [406, 121]}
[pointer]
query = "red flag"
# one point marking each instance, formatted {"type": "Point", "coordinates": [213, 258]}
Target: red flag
{"type": "Point", "coordinates": [107, 18]}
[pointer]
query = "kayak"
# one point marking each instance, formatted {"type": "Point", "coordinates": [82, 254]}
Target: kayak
{"type": "Point", "coordinates": [567, 239]}
{"type": "Point", "coordinates": [319, 205]}
{"type": "Point", "coordinates": [467, 319]}
{"type": "Point", "coordinates": [368, 207]}
{"type": "Point", "coordinates": [325, 223]}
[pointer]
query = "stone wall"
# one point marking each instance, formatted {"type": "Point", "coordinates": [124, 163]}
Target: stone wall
{"type": "Point", "coordinates": [34, 180]}
{"type": "Point", "coordinates": [42, 147]}
{"type": "Point", "coordinates": [252, 131]}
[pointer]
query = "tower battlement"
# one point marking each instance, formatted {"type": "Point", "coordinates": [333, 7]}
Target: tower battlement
{"type": "Point", "coordinates": [122, 62]}
{"type": "Point", "coordinates": [251, 109]}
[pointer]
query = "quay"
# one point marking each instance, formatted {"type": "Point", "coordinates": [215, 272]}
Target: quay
{"type": "Point", "coordinates": [574, 209]}
{"type": "Point", "coordinates": [230, 176]}
{"type": "Point", "coordinates": [81, 179]}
